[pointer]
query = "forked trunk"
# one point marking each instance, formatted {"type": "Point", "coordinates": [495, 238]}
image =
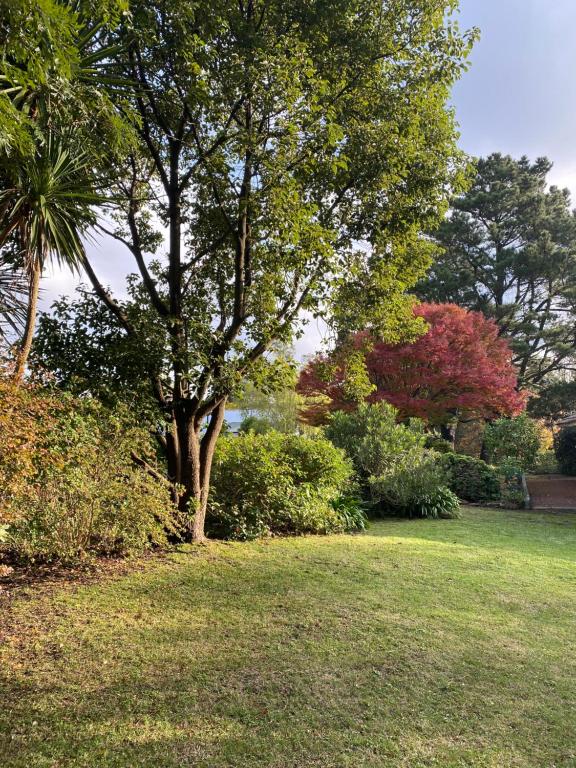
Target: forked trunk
{"type": "Point", "coordinates": [31, 310]}
{"type": "Point", "coordinates": [191, 452]}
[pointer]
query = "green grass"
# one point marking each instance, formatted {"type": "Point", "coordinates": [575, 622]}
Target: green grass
{"type": "Point", "coordinates": [425, 643]}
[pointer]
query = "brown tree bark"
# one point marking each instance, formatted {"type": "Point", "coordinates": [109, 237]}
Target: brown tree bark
{"type": "Point", "coordinates": [31, 310]}
{"type": "Point", "coordinates": [190, 454]}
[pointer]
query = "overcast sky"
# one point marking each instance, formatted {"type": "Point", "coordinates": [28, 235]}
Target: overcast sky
{"type": "Point", "coordinates": [519, 97]}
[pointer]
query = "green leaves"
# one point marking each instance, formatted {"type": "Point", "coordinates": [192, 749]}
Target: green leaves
{"type": "Point", "coordinates": [509, 250]}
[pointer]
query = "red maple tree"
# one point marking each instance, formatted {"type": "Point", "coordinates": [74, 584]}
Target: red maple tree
{"type": "Point", "coordinates": [460, 366]}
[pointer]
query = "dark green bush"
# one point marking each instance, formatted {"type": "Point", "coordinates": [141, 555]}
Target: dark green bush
{"type": "Point", "coordinates": [565, 449]}
{"type": "Point", "coordinates": [277, 483]}
{"type": "Point", "coordinates": [511, 486]}
{"type": "Point", "coordinates": [470, 479]}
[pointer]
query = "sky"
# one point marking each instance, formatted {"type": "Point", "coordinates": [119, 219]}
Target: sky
{"type": "Point", "coordinates": [518, 98]}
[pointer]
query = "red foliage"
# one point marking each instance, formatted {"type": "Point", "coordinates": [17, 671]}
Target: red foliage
{"type": "Point", "coordinates": [459, 365]}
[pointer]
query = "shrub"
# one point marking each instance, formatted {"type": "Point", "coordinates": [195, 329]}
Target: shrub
{"type": "Point", "coordinates": [257, 424]}
{"type": "Point", "coordinates": [546, 463]}
{"type": "Point", "coordinates": [513, 440]}
{"type": "Point", "coordinates": [565, 449]}
{"type": "Point", "coordinates": [277, 483]}
{"type": "Point", "coordinates": [470, 479]}
{"type": "Point", "coordinates": [511, 487]}
{"type": "Point", "coordinates": [417, 491]}
{"type": "Point", "coordinates": [84, 495]}
{"type": "Point", "coordinates": [351, 510]}
{"type": "Point", "coordinates": [438, 444]}
{"type": "Point", "coordinates": [374, 440]}
{"type": "Point", "coordinates": [26, 419]}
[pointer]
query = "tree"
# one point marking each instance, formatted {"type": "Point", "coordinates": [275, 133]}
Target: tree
{"type": "Point", "coordinates": [510, 252]}
{"type": "Point", "coordinates": [45, 207]}
{"type": "Point", "coordinates": [513, 441]}
{"type": "Point", "coordinates": [54, 111]}
{"type": "Point", "coordinates": [555, 400]}
{"type": "Point", "coordinates": [82, 348]}
{"type": "Point", "coordinates": [459, 367]}
{"type": "Point", "coordinates": [274, 137]}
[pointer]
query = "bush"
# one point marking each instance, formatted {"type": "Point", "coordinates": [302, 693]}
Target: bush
{"type": "Point", "coordinates": [374, 440]}
{"type": "Point", "coordinates": [511, 487]}
{"type": "Point", "coordinates": [513, 440]}
{"type": "Point", "coordinates": [82, 494]}
{"type": "Point", "coordinates": [256, 424]}
{"type": "Point", "coordinates": [277, 483]}
{"type": "Point", "coordinates": [438, 444]}
{"type": "Point", "coordinates": [470, 479]}
{"type": "Point", "coordinates": [546, 463]}
{"type": "Point", "coordinates": [565, 449]}
{"type": "Point", "coordinates": [417, 491]}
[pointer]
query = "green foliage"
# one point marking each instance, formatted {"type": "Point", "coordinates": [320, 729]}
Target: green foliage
{"type": "Point", "coordinates": [277, 404]}
{"type": "Point", "coordinates": [81, 347]}
{"type": "Point", "coordinates": [514, 441]}
{"type": "Point", "coordinates": [351, 510]}
{"type": "Point", "coordinates": [256, 424]}
{"type": "Point", "coordinates": [374, 440]}
{"type": "Point", "coordinates": [511, 486]}
{"type": "Point", "coordinates": [395, 470]}
{"type": "Point", "coordinates": [554, 401]}
{"type": "Point", "coordinates": [565, 449]}
{"type": "Point", "coordinates": [508, 250]}
{"type": "Point", "coordinates": [546, 463]}
{"type": "Point", "coordinates": [470, 479]}
{"type": "Point", "coordinates": [86, 495]}
{"type": "Point", "coordinates": [13, 289]}
{"type": "Point", "coordinates": [418, 490]}
{"type": "Point", "coordinates": [275, 483]}
{"type": "Point", "coordinates": [438, 444]}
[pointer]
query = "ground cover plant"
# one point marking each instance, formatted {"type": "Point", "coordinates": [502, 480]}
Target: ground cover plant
{"type": "Point", "coordinates": [419, 644]}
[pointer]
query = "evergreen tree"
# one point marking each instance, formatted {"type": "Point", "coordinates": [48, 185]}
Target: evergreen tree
{"type": "Point", "coordinates": [509, 251]}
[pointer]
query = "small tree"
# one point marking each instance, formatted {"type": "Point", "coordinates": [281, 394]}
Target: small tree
{"type": "Point", "coordinates": [514, 440]}
{"type": "Point", "coordinates": [459, 366]}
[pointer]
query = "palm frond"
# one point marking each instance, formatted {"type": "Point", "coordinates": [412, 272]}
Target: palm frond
{"type": "Point", "coordinates": [13, 297]}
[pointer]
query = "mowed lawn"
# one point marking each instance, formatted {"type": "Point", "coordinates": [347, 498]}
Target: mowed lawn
{"type": "Point", "coordinates": [425, 643]}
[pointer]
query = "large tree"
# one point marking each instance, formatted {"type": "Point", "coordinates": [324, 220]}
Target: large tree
{"type": "Point", "coordinates": [458, 369]}
{"type": "Point", "coordinates": [509, 251]}
{"type": "Point", "coordinates": [288, 154]}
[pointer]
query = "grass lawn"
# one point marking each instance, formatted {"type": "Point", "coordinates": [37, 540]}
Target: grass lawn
{"type": "Point", "coordinates": [445, 643]}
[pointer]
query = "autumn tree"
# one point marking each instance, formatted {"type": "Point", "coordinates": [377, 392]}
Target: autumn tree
{"type": "Point", "coordinates": [282, 147]}
{"type": "Point", "coordinates": [509, 251]}
{"type": "Point", "coordinates": [460, 366]}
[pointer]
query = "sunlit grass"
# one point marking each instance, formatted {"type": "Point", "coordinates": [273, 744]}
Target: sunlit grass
{"type": "Point", "coordinates": [444, 643]}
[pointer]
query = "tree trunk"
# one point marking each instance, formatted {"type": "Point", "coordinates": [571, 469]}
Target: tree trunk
{"type": "Point", "coordinates": [191, 454]}
{"type": "Point", "coordinates": [26, 345]}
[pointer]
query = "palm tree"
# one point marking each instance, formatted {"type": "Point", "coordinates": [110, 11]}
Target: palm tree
{"type": "Point", "coordinates": [12, 300]}
{"type": "Point", "coordinates": [45, 209]}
